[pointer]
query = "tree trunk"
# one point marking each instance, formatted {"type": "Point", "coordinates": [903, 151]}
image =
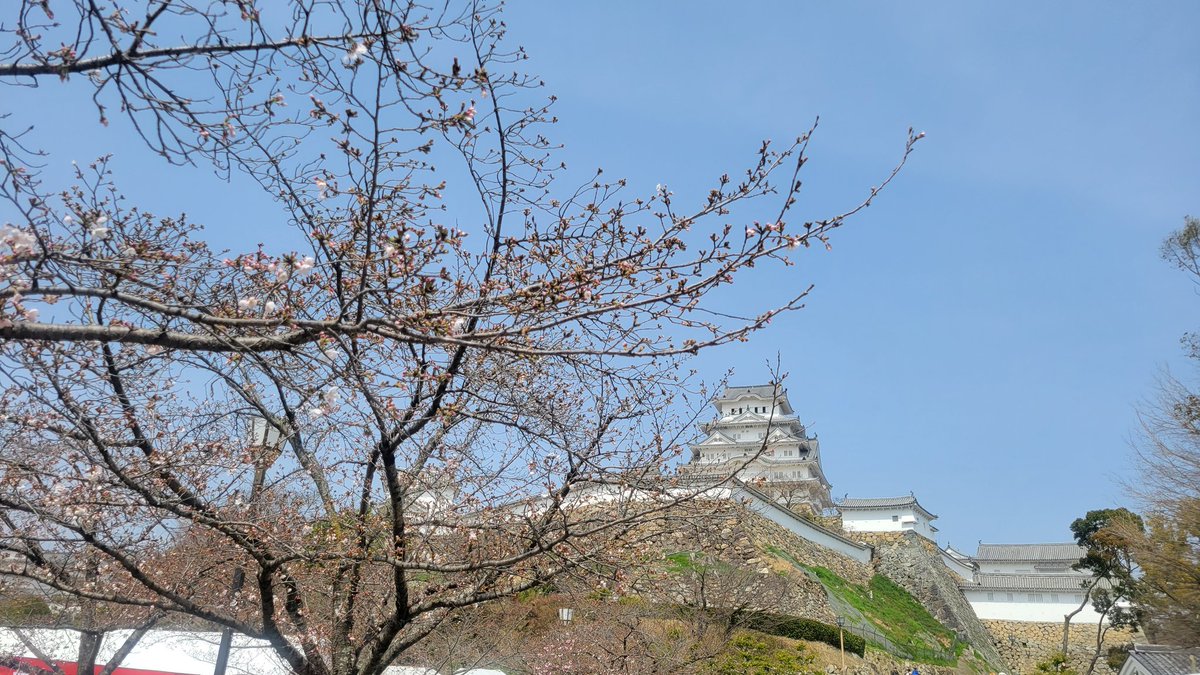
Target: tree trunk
{"type": "Point", "coordinates": [126, 647]}
{"type": "Point", "coordinates": [89, 649]}
{"type": "Point", "coordinates": [1087, 595]}
{"type": "Point", "coordinates": [1101, 629]}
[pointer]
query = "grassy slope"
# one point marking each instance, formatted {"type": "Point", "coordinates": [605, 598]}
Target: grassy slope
{"type": "Point", "coordinates": [889, 609]}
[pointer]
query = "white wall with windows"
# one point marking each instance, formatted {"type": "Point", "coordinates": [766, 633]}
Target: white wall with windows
{"type": "Point", "coordinates": [1029, 605]}
{"type": "Point", "coordinates": [888, 519]}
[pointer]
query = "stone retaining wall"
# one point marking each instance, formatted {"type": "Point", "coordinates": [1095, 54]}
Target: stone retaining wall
{"type": "Point", "coordinates": [915, 563]}
{"type": "Point", "coordinates": [1025, 643]}
{"type": "Point", "coordinates": [802, 527]}
{"type": "Point", "coordinates": [731, 533]}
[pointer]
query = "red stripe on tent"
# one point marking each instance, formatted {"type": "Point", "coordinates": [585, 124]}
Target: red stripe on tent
{"type": "Point", "coordinates": [70, 668]}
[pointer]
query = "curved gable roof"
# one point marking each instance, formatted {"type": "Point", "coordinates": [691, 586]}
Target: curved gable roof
{"type": "Point", "coordinates": [852, 504]}
{"type": "Point", "coordinates": [757, 392]}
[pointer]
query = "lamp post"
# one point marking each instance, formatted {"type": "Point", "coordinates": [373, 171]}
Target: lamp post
{"type": "Point", "coordinates": [841, 622]}
{"type": "Point", "coordinates": [265, 444]}
{"type": "Point", "coordinates": [565, 614]}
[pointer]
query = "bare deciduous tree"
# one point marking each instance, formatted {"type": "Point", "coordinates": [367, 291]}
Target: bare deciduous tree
{"type": "Point", "coordinates": [1168, 484]}
{"type": "Point", "coordinates": [439, 394]}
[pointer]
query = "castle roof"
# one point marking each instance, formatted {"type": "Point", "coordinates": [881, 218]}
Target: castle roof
{"type": "Point", "coordinates": [1164, 660]}
{"type": "Point", "coordinates": [853, 504]}
{"type": "Point", "coordinates": [956, 554]}
{"type": "Point", "coordinates": [761, 390]}
{"type": "Point", "coordinates": [1069, 552]}
{"type": "Point", "coordinates": [764, 392]}
{"type": "Point", "coordinates": [1028, 582]}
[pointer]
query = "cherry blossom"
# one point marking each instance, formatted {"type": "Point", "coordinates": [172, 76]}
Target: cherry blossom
{"type": "Point", "coordinates": [20, 241]}
{"type": "Point", "coordinates": [355, 54]}
{"type": "Point", "coordinates": [304, 265]}
{"type": "Point", "coordinates": [374, 444]}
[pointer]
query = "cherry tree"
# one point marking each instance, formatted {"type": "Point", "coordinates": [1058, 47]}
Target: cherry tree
{"type": "Point", "coordinates": [423, 404]}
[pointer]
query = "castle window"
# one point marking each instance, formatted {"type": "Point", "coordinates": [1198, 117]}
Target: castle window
{"type": "Point", "coordinates": [1010, 597]}
{"type": "Point", "coordinates": [895, 519]}
{"type": "Point", "coordinates": [991, 596]}
{"type": "Point", "coordinates": [1054, 597]}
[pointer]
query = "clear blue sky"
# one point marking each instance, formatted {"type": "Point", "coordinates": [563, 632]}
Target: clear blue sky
{"type": "Point", "coordinates": [982, 335]}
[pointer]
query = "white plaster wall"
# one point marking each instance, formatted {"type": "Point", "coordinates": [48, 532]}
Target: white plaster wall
{"type": "Point", "coordinates": [746, 405]}
{"type": "Point", "coordinates": [1020, 609]}
{"type": "Point", "coordinates": [1021, 567]}
{"type": "Point", "coordinates": [958, 567]}
{"type": "Point", "coordinates": [880, 520]}
{"type": "Point", "coordinates": [802, 528]}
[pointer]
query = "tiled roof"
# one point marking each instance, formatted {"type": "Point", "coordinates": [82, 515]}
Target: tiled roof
{"type": "Point", "coordinates": [1027, 582]}
{"type": "Point", "coordinates": [876, 502]}
{"type": "Point", "coordinates": [956, 554]}
{"type": "Point", "coordinates": [766, 391]}
{"type": "Point", "coordinates": [760, 391]}
{"type": "Point", "coordinates": [851, 504]}
{"type": "Point", "coordinates": [1031, 552]}
{"type": "Point", "coordinates": [1163, 660]}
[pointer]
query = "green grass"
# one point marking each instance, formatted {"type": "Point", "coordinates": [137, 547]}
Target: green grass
{"type": "Point", "coordinates": [683, 561]}
{"type": "Point", "coordinates": [695, 561]}
{"type": "Point", "coordinates": [780, 553]}
{"type": "Point", "coordinates": [890, 610]}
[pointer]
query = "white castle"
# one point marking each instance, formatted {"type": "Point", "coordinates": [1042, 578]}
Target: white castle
{"type": "Point", "coordinates": [757, 437]}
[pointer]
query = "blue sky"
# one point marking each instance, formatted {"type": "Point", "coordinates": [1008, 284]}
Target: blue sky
{"type": "Point", "coordinates": [982, 335]}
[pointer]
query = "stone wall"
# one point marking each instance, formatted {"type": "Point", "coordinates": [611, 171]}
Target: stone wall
{"type": "Point", "coordinates": [735, 534]}
{"type": "Point", "coordinates": [767, 534]}
{"type": "Point", "coordinates": [802, 527]}
{"type": "Point", "coordinates": [731, 533]}
{"type": "Point", "coordinates": [915, 563]}
{"type": "Point", "coordinates": [1025, 643]}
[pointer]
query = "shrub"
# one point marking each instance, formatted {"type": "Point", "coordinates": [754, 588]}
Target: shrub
{"type": "Point", "coordinates": [798, 628]}
{"type": "Point", "coordinates": [751, 655]}
{"type": "Point", "coordinates": [1057, 664]}
{"type": "Point", "coordinates": [1117, 655]}
{"type": "Point", "coordinates": [23, 608]}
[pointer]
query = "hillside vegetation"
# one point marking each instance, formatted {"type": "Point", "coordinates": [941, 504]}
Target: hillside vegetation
{"type": "Point", "coordinates": [718, 589]}
{"type": "Point", "coordinates": [888, 616]}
